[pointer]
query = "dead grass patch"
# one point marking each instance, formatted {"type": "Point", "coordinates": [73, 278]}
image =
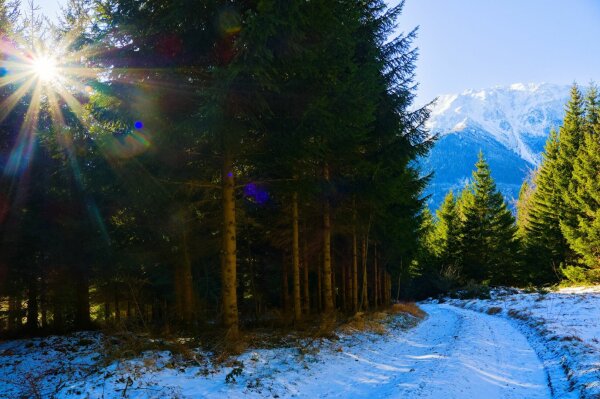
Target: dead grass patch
{"type": "Point", "coordinates": [515, 314]}
{"type": "Point", "coordinates": [408, 307]}
{"type": "Point", "coordinates": [494, 310]}
{"type": "Point", "coordinates": [366, 322]}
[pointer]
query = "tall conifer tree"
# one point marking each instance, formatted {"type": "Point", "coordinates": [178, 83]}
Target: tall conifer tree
{"type": "Point", "coordinates": [487, 234]}
{"type": "Point", "coordinates": [582, 230]}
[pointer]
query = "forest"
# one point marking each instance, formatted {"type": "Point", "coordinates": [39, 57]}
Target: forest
{"type": "Point", "coordinates": [226, 164]}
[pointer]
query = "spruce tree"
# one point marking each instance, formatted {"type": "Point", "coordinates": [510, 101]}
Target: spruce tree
{"type": "Point", "coordinates": [582, 232]}
{"type": "Point", "coordinates": [545, 246]}
{"type": "Point", "coordinates": [487, 234]}
{"type": "Point", "coordinates": [592, 109]}
{"type": "Point", "coordinates": [570, 137]}
{"type": "Point", "coordinates": [585, 195]}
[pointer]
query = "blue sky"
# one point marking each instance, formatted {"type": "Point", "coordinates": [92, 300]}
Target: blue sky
{"type": "Point", "coordinates": [472, 44]}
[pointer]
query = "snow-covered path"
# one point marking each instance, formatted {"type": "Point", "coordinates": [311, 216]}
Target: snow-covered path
{"type": "Point", "coordinates": [453, 353]}
{"type": "Point", "coordinates": [457, 353]}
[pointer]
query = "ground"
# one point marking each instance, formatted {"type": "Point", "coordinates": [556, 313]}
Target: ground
{"type": "Point", "coordinates": [514, 345]}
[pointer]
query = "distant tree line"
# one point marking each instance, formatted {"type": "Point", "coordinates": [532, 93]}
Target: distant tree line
{"type": "Point", "coordinates": [216, 161]}
{"type": "Point", "coordinates": [473, 237]}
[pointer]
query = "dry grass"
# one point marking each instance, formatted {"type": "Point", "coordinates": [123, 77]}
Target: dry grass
{"type": "Point", "coordinates": [494, 310]}
{"type": "Point", "coordinates": [380, 321]}
{"type": "Point", "coordinates": [306, 336]}
{"type": "Point", "coordinates": [520, 315]}
{"type": "Point", "coordinates": [366, 322]}
{"type": "Point", "coordinates": [128, 345]}
{"type": "Point", "coordinates": [408, 307]}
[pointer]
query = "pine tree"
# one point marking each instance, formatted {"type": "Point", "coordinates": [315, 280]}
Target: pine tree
{"type": "Point", "coordinates": [487, 234]}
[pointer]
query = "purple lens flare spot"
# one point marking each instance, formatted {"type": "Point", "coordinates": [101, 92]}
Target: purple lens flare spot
{"type": "Point", "coordinates": [256, 193]}
{"type": "Point", "coordinates": [138, 125]}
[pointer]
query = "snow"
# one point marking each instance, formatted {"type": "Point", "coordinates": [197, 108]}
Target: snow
{"type": "Point", "coordinates": [461, 354]}
{"type": "Point", "coordinates": [514, 345]}
{"type": "Point", "coordinates": [453, 353]}
{"type": "Point", "coordinates": [512, 115]}
{"type": "Point", "coordinates": [564, 329]}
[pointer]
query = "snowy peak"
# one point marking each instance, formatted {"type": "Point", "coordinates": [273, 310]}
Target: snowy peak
{"type": "Point", "coordinates": [518, 116]}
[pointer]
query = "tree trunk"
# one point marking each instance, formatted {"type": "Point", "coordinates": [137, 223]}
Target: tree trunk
{"type": "Point", "coordinates": [106, 311]}
{"type": "Point", "coordinates": [229, 261]}
{"type": "Point", "coordinates": [14, 313]}
{"type": "Point", "coordinates": [254, 291]}
{"type": "Point", "coordinates": [57, 315]}
{"type": "Point", "coordinates": [354, 269]}
{"type": "Point", "coordinates": [334, 285]}
{"type": "Point", "coordinates": [296, 259]}
{"type": "Point", "coordinates": [305, 269]}
{"type": "Point", "coordinates": [327, 286]}
{"type": "Point", "coordinates": [285, 289]}
{"type": "Point", "coordinates": [82, 313]}
{"type": "Point", "coordinates": [389, 288]}
{"type": "Point", "coordinates": [364, 302]}
{"type": "Point", "coordinates": [32, 305]}
{"type": "Point", "coordinates": [44, 303]}
{"type": "Point", "coordinates": [343, 286]}
{"type": "Point", "coordinates": [375, 278]}
{"type": "Point", "coordinates": [399, 276]}
{"type": "Point", "coordinates": [185, 290]}
{"type": "Point", "coordinates": [117, 309]}
{"type": "Point", "coordinates": [319, 285]}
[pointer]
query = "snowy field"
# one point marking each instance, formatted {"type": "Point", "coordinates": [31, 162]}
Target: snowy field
{"type": "Point", "coordinates": [528, 346]}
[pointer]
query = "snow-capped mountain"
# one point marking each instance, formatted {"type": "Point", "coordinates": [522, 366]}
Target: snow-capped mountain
{"type": "Point", "coordinates": [509, 124]}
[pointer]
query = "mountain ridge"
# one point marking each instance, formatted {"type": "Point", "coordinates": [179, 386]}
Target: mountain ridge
{"type": "Point", "coordinates": [509, 124]}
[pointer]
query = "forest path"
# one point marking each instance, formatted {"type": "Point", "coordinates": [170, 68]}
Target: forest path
{"type": "Point", "coordinates": [458, 353]}
{"type": "Point", "coordinates": [453, 354]}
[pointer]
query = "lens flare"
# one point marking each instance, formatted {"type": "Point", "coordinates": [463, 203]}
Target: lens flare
{"type": "Point", "coordinates": [45, 68]}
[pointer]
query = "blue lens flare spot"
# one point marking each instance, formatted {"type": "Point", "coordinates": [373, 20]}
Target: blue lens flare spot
{"type": "Point", "coordinates": [138, 125]}
{"type": "Point", "coordinates": [256, 193]}
{"type": "Point", "coordinates": [3, 72]}
{"type": "Point", "coordinates": [230, 174]}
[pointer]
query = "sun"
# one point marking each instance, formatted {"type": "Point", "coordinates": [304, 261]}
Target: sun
{"type": "Point", "coordinates": [45, 68]}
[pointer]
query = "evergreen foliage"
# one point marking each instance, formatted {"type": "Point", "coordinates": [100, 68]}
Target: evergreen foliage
{"type": "Point", "coordinates": [487, 233]}
{"type": "Point", "coordinates": [227, 159]}
{"type": "Point", "coordinates": [582, 229]}
{"type": "Point", "coordinates": [555, 204]}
